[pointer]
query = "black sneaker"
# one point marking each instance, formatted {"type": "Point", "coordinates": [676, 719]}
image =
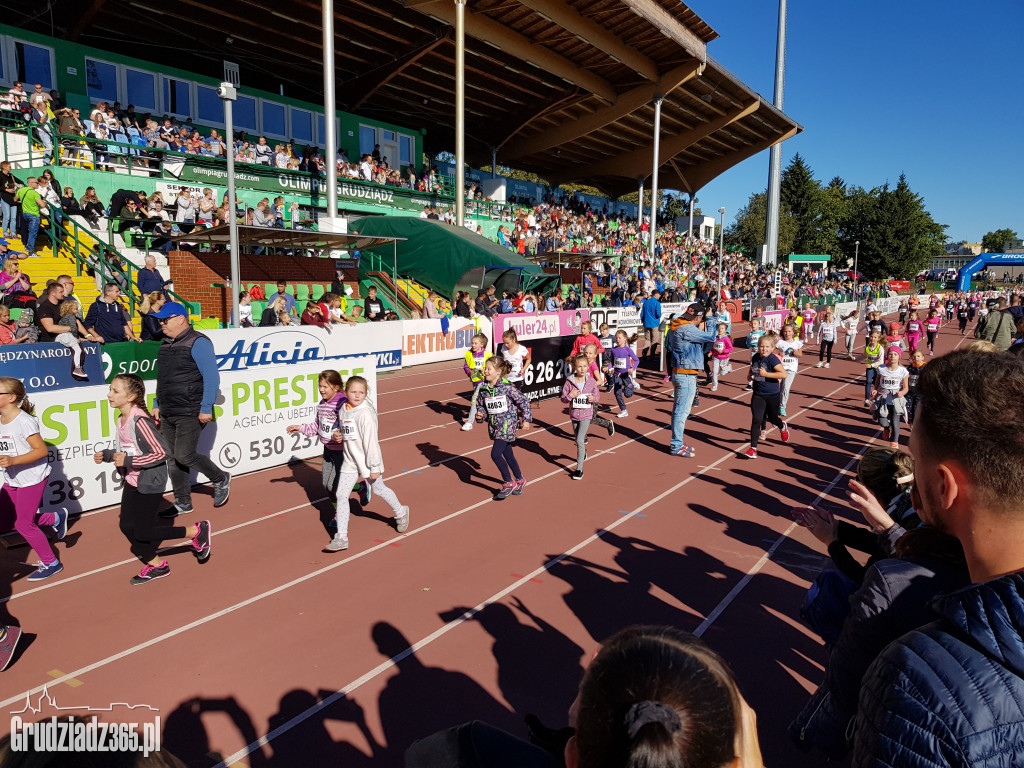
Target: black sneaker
{"type": "Point", "coordinates": [611, 428]}
{"type": "Point", "coordinates": [177, 508]}
{"type": "Point", "coordinates": [151, 573]}
{"type": "Point", "coordinates": [577, 475]}
{"type": "Point", "coordinates": [201, 541]}
{"type": "Point", "coordinates": [221, 491]}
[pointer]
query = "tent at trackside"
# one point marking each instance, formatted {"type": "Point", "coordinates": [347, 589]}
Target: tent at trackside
{"type": "Point", "coordinates": [439, 255]}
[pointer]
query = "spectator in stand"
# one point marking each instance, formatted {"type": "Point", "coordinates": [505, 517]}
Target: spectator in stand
{"type": "Point", "coordinates": [289, 300]}
{"type": "Point", "coordinates": [185, 210]}
{"type": "Point", "coordinates": [68, 283]}
{"type": "Point", "coordinates": [162, 235]}
{"type": "Point", "coordinates": [214, 145]}
{"type": "Point", "coordinates": [107, 317]}
{"type": "Point", "coordinates": [153, 136]}
{"type": "Point", "coordinates": [263, 152]}
{"type": "Point", "coordinates": [128, 117]}
{"type": "Point", "coordinates": [151, 328]}
{"type": "Point", "coordinates": [68, 204]}
{"type": "Point", "coordinates": [338, 284]}
{"type": "Point", "coordinates": [261, 216]}
{"type": "Point", "coordinates": [553, 302]}
{"type": "Point", "coordinates": [430, 311]}
{"type": "Point", "coordinates": [9, 184]}
{"type": "Point", "coordinates": [462, 305]}
{"type": "Point", "coordinates": [6, 252]}
{"type": "Point", "coordinates": [271, 315]}
{"type": "Point", "coordinates": [207, 208]}
{"type": "Point", "coordinates": [32, 206]}
{"type": "Point", "coordinates": [244, 309]}
{"type": "Point", "coordinates": [169, 135]}
{"type": "Point", "coordinates": [373, 307]}
{"type": "Point", "coordinates": [8, 327]}
{"type": "Point", "coordinates": [148, 279]}
{"type": "Point", "coordinates": [92, 207]}
{"type": "Point", "coordinates": [313, 315]}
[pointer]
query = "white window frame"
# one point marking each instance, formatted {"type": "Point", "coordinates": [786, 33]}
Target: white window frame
{"type": "Point", "coordinates": [259, 119]}
{"type": "Point", "coordinates": [123, 90]}
{"type": "Point", "coordinates": [118, 81]}
{"type": "Point", "coordinates": [11, 42]}
{"type": "Point", "coordinates": [199, 120]}
{"type": "Point", "coordinates": [165, 109]}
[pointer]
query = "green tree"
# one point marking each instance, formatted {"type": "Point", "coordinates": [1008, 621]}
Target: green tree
{"type": "Point", "coordinates": [993, 241]}
{"type": "Point", "coordinates": [747, 229]}
{"type": "Point", "coordinates": [901, 237]}
{"type": "Point", "coordinates": [800, 194]}
{"type": "Point", "coordinates": [859, 205]}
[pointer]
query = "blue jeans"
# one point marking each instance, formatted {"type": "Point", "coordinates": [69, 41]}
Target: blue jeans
{"type": "Point", "coordinates": [685, 388]}
{"type": "Point", "coordinates": [32, 223]}
{"type": "Point", "coordinates": [10, 211]}
{"type": "Point", "coordinates": [869, 379]}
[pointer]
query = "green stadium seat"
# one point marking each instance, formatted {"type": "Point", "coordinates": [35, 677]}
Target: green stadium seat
{"type": "Point", "coordinates": [317, 291]}
{"type": "Point", "coordinates": [15, 314]}
{"type": "Point", "coordinates": [257, 311]}
{"type": "Point", "coordinates": [269, 289]}
{"type": "Point", "coordinates": [301, 292]}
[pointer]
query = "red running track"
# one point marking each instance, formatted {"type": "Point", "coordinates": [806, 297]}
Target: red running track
{"type": "Point", "coordinates": [276, 653]}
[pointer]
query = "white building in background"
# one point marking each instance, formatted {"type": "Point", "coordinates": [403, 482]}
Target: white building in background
{"type": "Point", "coordinates": [963, 249]}
{"type": "Point", "coordinates": [703, 226]}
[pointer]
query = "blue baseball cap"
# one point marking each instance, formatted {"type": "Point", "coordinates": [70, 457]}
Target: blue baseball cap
{"type": "Point", "coordinates": [4, 242]}
{"type": "Point", "coordinates": [170, 309]}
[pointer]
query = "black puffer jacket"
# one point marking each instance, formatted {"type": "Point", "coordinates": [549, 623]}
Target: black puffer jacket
{"type": "Point", "coordinates": [952, 692]}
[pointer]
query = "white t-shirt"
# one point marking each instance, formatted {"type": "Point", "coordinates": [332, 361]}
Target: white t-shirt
{"type": "Point", "coordinates": [789, 362]}
{"type": "Point", "coordinates": [245, 313]}
{"type": "Point", "coordinates": [827, 331]}
{"type": "Point", "coordinates": [851, 324]}
{"type": "Point", "coordinates": [14, 442]}
{"type": "Point", "coordinates": [889, 382]}
{"type": "Point", "coordinates": [515, 360]}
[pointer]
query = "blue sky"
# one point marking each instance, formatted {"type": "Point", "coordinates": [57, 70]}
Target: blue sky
{"type": "Point", "coordinates": [929, 89]}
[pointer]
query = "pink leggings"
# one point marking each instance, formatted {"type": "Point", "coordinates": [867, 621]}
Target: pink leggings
{"type": "Point", "coordinates": [24, 503]}
{"type": "Point", "coordinates": [913, 339]}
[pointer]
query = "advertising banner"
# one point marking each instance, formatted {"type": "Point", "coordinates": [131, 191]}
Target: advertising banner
{"type": "Point", "coordinates": [130, 357]}
{"type": "Point", "coordinates": [628, 318]}
{"type": "Point", "coordinates": [772, 320]}
{"type": "Point", "coordinates": [540, 325]}
{"type": "Point", "coordinates": [899, 285]}
{"type": "Point", "coordinates": [238, 348]}
{"type": "Point", "coordinates": [248, 433]}
{"type": "Point", "coordinates": [545, 374]}
{"type": "Point", "coordinates": [423, 341]}
{"type": "Point", "coordinates": [47, 366]}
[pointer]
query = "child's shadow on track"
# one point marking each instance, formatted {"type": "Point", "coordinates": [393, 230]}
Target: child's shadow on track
{"type": "Point", "coordinates": [466, 468]}
{"type": "Point", "coordinates": [455, 410]}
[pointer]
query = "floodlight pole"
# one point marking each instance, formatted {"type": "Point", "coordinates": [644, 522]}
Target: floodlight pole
{"type": "Point", "coordinates": [330, 108]}
{"type": "Point", "coordinates": [658, 98]}
{"type": "Point", "coordinates": [460, 112]}
{"type": "Point", "coordinates": [721, 247]}
{"type": "Point", "coordinates": [692, 201]}
{"type": "Point", "coordinates": [640, 201]}
{"type": "Point", "coordinates": [775, 154]}
{"type": "Point", "coordinates": [856, 274]}
{"type": "Point", "coordinates": [228, 94]}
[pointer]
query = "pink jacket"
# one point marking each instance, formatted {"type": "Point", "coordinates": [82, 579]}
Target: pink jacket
{"type": "Point", "coordinates": [726, 343]}
{"type": "Point", "coordinates": [571, 390]}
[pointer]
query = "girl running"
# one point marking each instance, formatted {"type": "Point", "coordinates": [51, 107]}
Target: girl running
{"type": "Point", "coordinates": [362, 459]}
{"type": "Point", "coordinates": [875, 323]}
{"type": "Point", "coordinates": [517, 356]}
{"type": "Point", "coordinates": [620, 371]}
{"type": "Point", "coordinates": [873, 356]}
{"type": "Point", "coordinates": [594, 370]}
{"type": "Point", "coordinates": [756, 332]}
{"type": "Point", "coordinates": [607, 342]}
{"type": "Point", "coordinates": [891, 384]}
{"type": "Point", "coordinates": [931, 326]}
{"type": "Point", "coordinates": [586, 337]}
{"type": "Point", "coordinates": [505, 406]}
{"type": "Point", "coordinates": [23, 472]}
{"type": "Point", "coordinates": [721, 349]}
{"type": "Point", "coordinates": [808, 316]}
{"type": "Point", "coordinates": [328, 420]}
{"type": "Point", "coordinates": [962, 314]}
{"type": "Point", "coordinates": [141, 460]}
{"type": "Point", "coordinates": [851, 324]}
{"type": "Point", "coordinates": [903, 310]}
{"type": "Point", "coordinates": [828, 329]}
{"type": "Point", "coordinates": [914, 328]}
{"type": "Point", "coordinates": [476, 356]}
{"type": "Point", "coordinates": [766, 375]}
{"type": "Point", "coordinates": [913, 371]}
{"type": "Point", "coordinates": [789, 347]}
{"type": "Point", "coordinates": [581, 391]}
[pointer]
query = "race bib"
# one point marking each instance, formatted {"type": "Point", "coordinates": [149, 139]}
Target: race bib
{"type": "Point", "coordinates": [963, 314]}
{"type": "Point", "coordinates": [606, 343]}
{"type": "Point", "coordinates": [581, 402]}
{"type": "Point", "coordinates": [348, 428]}
{"type": "Point", "coordinates": [621, 363]}
{"type": "Point", "coordinates": [7, 447]}
{"type": "Point", "coordinates": [914, 327]}
{"type": "Point", "coordinates": [827, 333]}
{"type": "Point", "coordinates": [127, 450]}
{"type": "Point", "coordinates": [789, 363]}
{"type": "Point", "coordinates": [890, 383]}
{"type": "Point", "coordinates": [719, 346]}
{"type": "Point", "coordinates": [325, 426]}
{"type": "Point", "coordinates": [933, 326]}
{"type": "Point", "coordinates": [496, 405]}
{"type": "Point", "coordinates": [478, 363]}
{"type": "Point", "coordinates": [913, 381]}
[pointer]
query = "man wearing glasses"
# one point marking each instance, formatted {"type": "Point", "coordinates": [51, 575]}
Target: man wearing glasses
{"type": "Point", "coordinates": [186, 388]}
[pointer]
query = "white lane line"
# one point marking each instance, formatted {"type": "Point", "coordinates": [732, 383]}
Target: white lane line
{"type": "Point", "coordinates": [381, 393]}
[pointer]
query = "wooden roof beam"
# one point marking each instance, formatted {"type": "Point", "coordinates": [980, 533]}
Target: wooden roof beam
{"type": "Point", "coordinates": [569, 18]}
{"type": "Point", "coordinates": [702, 174]}
{"type": "Point", "coordinates": [627, 164]}
{"type": "Point", "coordinates": [489, 31]}
{"type": "Point", "coordinates": [364, 86]}
{"type": "Point", "coordinates": [669, 26]}
{"type": "Point", "coordinates": [625, 104]}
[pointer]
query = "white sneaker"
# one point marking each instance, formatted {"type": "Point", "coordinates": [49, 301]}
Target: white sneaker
{"type": "Point", "coordinates": [827, 365]}
{"type": "Point", "coordinates": [467, 426]}
{"type": "Point", "coordinates": [622, 414]}
{"type": "Point", "coordinates": [714, 387]}
{"type": "Point", "coordinates": [337, 544]}
{"type": "Point", "coordinates": [819, 365]}
{"type": "Point", "coordinates": [636, 384]}
{"type": "Point", "coordinates": [402, 523]}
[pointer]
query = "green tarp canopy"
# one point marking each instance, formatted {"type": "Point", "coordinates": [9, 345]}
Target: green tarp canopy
{"type": "Point", "coordinates": [440, 256]}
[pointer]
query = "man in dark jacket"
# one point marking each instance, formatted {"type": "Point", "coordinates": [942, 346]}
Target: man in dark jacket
{"type": "Point", "coordinates": [186, 388]}
{"type": "Point", "coordinates": [951, 693]}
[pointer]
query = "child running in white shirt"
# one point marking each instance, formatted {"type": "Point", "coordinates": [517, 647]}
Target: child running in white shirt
{"type": "Point", "coordinates": [828, 329]}
{"type": "Point", "coordinates": [891, 384]}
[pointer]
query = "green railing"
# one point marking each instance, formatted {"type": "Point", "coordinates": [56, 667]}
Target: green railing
{"type": "Point", "coordinates": [69, 236]}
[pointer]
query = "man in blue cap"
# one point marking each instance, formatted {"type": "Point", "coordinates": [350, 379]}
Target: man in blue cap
{"type": "Point", "coordinates": [186, 388]}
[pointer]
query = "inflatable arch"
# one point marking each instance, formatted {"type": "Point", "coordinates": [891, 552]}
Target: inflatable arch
{"type": "Point", "coordinates": [984, 261]}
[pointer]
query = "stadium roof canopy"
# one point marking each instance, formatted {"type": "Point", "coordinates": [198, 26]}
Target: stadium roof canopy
{"type": "Point", "coordinates": [564, 88]}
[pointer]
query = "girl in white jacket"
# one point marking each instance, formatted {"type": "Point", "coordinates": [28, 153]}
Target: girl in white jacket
{"type": "Point", "coordinates": [358, 428]}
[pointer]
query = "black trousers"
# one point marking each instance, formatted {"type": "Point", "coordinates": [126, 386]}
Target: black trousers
{"type": "Point", "coordinates": [138, 523]}
{"type": "Point", "coordinates": [182, 433]}
{"type": "Point", "coordinates": [763, 408]}
{"type": "Point", "coordinates": [826, 349]}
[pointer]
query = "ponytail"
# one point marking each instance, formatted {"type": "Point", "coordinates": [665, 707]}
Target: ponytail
{"type": "Point", "coordinates": [501, 365]}
{"type": "Point", "coordinates": [136, 387]}
{"type": "Point", "coordinates": [17, 388]}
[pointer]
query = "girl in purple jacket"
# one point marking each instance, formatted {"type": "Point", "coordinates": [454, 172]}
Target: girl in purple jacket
{"type": "Point", "coordinates": [505, 405]}
{"type": "Point", "coordinates": [582, 393]}
{"type": "Point", "coordinates": [622, 364]}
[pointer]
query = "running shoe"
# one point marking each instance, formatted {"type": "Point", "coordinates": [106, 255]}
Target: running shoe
{"type": "Point", "coordinates": [828, 365]}
{"type": "Point", "coordinates": [820, 365]}
{"type": "Point", "coordinates": [577, 475]}
{"type": "Point", "coordinates": [467, 426]}
{"type": "Point", "coordinates": [714, 387]}
{"type": "Point", "coordinates": [667, 380]}
{"type": "Point", "coordinates": [752, 453]}
{"type": "Point", "coordinates": [151, 573]}
{"type": "Point", "coordinates": [402, 521]}
{"type": "Point", "coordinates": [894, 445]}
{"type": "Point", "coordinates": [221, 491]}
{"type": "Point", "coordinates": [885, 434]}
{"type": "Point", "coordinates": [867, 402]}
{"type": "Point", "coordinates": [337, 544]}
{"type": "Point", "coordinates": [784, 432]}
{"type": "Point", "coordinates": [177, 508]}
{"type": "Point", "coordinates": [505, 491]}
{"type": "Point", "coordinates": [636, 385]}
{"type": "Point", "coordinates": [611, 430]}
{"type": "Point", "coordinates": [79, 374]}
{"type": "Point", "coordinates": [685, 452]}
{"type": "Point", "coordinates": [60, 527]}
{"type": "Point", "coordinates": [365, 494]}
{"type": "Point", "coordinates": [696, 401]}
{"type": "Point", "coordinates": [621, 415]}
{"type": "Point", "coordinates": [764, 434]}
{"type": "Point", "coordinates": [46, 571]}
{"type": "Point", "coordinates": [748, 388]}
{"type": "Point", "coordinates": [517, 487]}
{"type": "Point", "coordinates": [782, 410]}
{"type": "Point", "coordinates": [201, 541]}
